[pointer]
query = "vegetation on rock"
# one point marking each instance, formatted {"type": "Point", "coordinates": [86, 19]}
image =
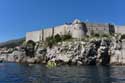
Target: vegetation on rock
{"type": "Point", "coordinates": [29, 48]}
{"type": "Point", "coordinates": [57, 38]}
{"type": "Point", "coordinates": [123, 36]}
{"type": "Point", "coordinates": [51, 64]}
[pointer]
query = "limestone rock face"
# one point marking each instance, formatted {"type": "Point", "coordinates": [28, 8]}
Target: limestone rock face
{"type": "Point", "coordinates": [3, 57]}
{"type": "Point", "coordinates": [118, 53]}
{"type": "Point", "coordinates": [93, 52]}
{"type": "Point", "coordinates": [30, 60]}
{"type": "Point", "coordinates": [16, 56]}
{"type": "Point", "coordinates": [41, 55]}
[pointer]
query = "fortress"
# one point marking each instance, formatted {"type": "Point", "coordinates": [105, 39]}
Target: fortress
{"type": "Point", "coordinates": [77, 29]}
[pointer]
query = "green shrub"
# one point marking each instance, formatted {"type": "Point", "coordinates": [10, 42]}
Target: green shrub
{"type": "Point", "coordinates": [24, 43]}
{"type": "Point", "coordinates": [30, 48]}
{"type": "Point", "coordinates": [67, 36]}
{"type": "Point", "coordinates": [96, 35]}
{"type": "Point", "coordinates": [50, 41]}
{"type": "Point", "coordinates": [49, 38]}
{"type": "Point", "coordinates": [51, 64]}
{"type": "Point", "coordinates": [105, 35]}
{"type": "Point", "coordinates": [30, 43]}
{"type": "Point", "coordinates": [57, 38]}
{"type": "Point", "coordinates": [123, 36]}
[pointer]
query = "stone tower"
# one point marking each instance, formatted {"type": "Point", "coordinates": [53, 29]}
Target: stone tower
{"type": "Point", "coordinates": [78, 29]}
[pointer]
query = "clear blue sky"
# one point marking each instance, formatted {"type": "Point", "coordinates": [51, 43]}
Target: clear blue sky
{"type": "Point", "coordinates": [20, 16]}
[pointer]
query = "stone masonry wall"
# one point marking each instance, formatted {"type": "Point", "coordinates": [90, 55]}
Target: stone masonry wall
{"type": "Point", "coordinates": [47, 33]}
{"type": "Point", "coordinates": [120, 29]}
{"type": "Point", "coordinates": [35, 35]}
{"type": "Point", "coordinates": [42, 35]}
{"type": "Point", "coordinates": [97, 28]}
{"type": "Point", "coordinates": [61, 30]}
{"type": "Point", "coordinates": [77, 30]}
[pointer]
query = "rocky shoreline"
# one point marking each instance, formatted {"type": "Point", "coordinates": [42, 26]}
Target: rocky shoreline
{"type": "Point", "coordinates": [93, 52]}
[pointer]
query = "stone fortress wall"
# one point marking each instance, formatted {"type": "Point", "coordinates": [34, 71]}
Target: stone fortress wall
{"type": "Point", "coordinates": [120, 29]}
{"type": "Point", "coordinates": [35, 35]}
{"type": "Point", "coordinates": [41, 35]}
{"type": "Point", "coordinates": [77, 29]}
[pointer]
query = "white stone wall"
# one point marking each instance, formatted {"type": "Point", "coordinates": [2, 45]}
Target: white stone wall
{"type": "Point", "coordinates": [77, 31]}
{"type": "Point", "coordinates": [61, 30]}
{"type": "Point", "coordinates": [120, 29]}
{"type": "Point", "coordinates": [35, 35]}
{"type": "Point", "coordinates": [116, 30]}
{"type": "Point", "coordinates": [97, 28]}
{"type": "Point", "coordinates": [47, 33]}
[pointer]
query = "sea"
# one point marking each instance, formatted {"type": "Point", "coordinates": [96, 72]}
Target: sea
{"type": "Point", "coordinates": [39, 73]}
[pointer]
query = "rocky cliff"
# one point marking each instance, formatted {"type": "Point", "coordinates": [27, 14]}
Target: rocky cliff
{"type": "Point", "coordinates": [91, 52]}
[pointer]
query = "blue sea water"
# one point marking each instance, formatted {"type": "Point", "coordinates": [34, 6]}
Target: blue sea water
{"type": "Point", "coordinates": [23, 73]}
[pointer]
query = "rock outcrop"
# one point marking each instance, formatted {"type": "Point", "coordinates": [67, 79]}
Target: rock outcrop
{"type": "Point", "coordinates": [96, 51]}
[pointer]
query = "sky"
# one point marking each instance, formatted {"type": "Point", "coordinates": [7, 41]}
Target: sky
{"type": "Point", "coordinates": [20, 16]}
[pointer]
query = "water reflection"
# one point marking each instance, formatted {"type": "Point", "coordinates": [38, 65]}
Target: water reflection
{"type": "Point", "coordinates": [22, 73]}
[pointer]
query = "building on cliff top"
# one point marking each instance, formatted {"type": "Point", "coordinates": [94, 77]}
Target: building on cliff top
{"type": "Point", "coordinates": [77, 29]}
